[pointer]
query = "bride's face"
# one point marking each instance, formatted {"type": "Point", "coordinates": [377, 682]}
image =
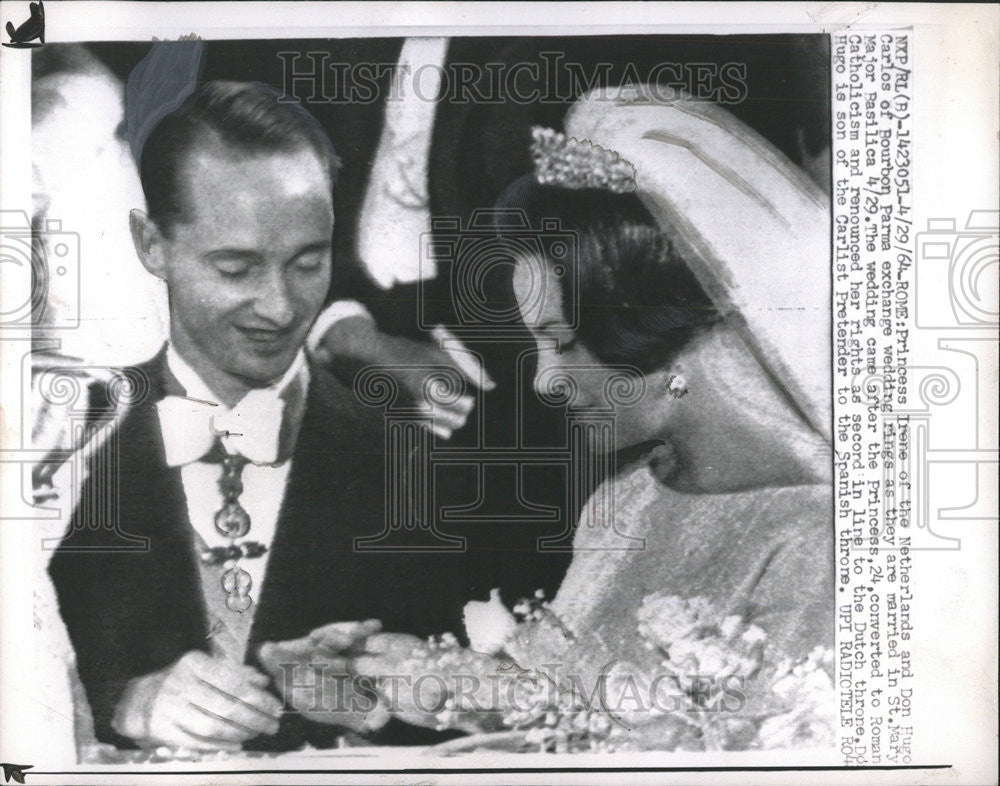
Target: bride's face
{"type": "Point", "coordinates": [568, 372]}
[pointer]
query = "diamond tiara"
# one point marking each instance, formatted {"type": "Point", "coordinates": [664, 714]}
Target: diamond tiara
{"type": "Point", "coordinates": [573, 163]}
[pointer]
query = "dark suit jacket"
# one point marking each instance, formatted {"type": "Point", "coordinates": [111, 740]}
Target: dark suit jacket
{"type": "Point", "coordinates": [130, 613]}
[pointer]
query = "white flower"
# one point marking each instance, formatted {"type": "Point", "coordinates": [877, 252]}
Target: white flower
{"type": "Point", "coordinates": [754, 635]}
{"type": "Point", "coordinates": [488, 624]}
{"type": "Point", "coordinates": [731, 626]}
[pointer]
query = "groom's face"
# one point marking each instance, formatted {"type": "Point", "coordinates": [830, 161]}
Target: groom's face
{"type": "Point", "coordinates": [248, 265]}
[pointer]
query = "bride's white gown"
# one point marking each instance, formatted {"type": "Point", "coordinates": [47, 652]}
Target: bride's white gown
{"type": "Point", "coordinates": [766, 554]}
{"type": "Point", "coordinates": [748, 575]}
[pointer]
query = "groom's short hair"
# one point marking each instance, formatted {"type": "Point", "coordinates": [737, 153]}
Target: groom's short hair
{"type": "Point", "coordinates": [245, 116]}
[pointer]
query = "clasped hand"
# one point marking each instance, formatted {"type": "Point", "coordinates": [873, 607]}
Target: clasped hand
{"type": "Point", "coordinates": [352, 675]}
{"type": "Point", "coordinates": [203, 702]}
{"type": "Point", "coordinates": [199, 702]}
{"type": "Point", "coordinates": [337, 675]}
{"type": "Point", "coordinates": [315, 677]}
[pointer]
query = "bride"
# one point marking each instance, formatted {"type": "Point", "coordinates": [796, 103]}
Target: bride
{"type": "Point", "coordinates": [699, 601]}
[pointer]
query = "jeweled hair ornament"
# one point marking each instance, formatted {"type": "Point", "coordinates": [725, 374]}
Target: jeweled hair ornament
{"type": "Point", "coordinates": [574, 163]}
{"type": "Point", "coordinates": [750, 225]}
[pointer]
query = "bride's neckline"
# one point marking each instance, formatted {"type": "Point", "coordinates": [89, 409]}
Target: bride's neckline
{"type": "Point", "coordinates": [645, 462]}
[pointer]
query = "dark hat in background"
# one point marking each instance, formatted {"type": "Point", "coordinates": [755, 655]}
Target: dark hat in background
{"type": "Point", "coordinates": [158, 85]}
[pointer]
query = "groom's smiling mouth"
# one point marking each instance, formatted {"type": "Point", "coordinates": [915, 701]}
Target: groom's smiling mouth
{"type": "Point", "coordinates": [266, 337]}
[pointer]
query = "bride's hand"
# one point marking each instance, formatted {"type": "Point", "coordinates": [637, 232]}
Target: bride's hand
{"type": "Point", "coordinates": [398, 662]}
{"type": "Point", "coordinates": [420, 682]}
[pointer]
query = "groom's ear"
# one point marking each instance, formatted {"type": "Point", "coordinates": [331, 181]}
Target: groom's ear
{"type": "Point", "coordinates": [149, 243]}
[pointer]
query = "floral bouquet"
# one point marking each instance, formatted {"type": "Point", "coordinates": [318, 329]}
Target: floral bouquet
{"type": "Point", "coordinates": [700, 683]}
{"type": "Point", "coordinates": [697, 680]}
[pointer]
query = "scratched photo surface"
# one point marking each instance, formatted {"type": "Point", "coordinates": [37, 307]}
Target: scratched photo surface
{"type": "Point", "coordinates": [454, 394]}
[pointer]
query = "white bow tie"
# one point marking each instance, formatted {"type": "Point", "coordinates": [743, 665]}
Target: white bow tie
{"type": "Point", "coordinates": [191, 426]}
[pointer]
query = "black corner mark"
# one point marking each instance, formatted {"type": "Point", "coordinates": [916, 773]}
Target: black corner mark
{"type": "Point", "coordinates": [15, 771]}
{"type": "Point", "coordinates": [24, 37]}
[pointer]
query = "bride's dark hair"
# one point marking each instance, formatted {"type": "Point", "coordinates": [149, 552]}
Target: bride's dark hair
{"type": "Point", "coordinates": [633, 297]}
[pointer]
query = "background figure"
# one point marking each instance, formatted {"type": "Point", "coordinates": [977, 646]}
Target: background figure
{"type": "Point", "coordinates": [85, 179]}
{"type": "Point", "coordinates": [84, 183]}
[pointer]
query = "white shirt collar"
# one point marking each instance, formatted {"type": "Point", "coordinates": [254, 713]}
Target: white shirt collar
{"type": "Point", "coordinates": [190, 424]}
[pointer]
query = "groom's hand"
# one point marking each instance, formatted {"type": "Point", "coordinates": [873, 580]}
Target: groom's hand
{"type": "Point", "coordinates": [199, 702]}
{"type": "Point", "coordinates": [313, 675]}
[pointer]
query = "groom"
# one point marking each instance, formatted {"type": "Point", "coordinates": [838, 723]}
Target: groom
{"type": "Point", "coordinates": [249, 470]}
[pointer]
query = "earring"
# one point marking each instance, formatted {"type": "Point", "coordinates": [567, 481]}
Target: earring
{"type": "Point", "coordinates": [677, 386]}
